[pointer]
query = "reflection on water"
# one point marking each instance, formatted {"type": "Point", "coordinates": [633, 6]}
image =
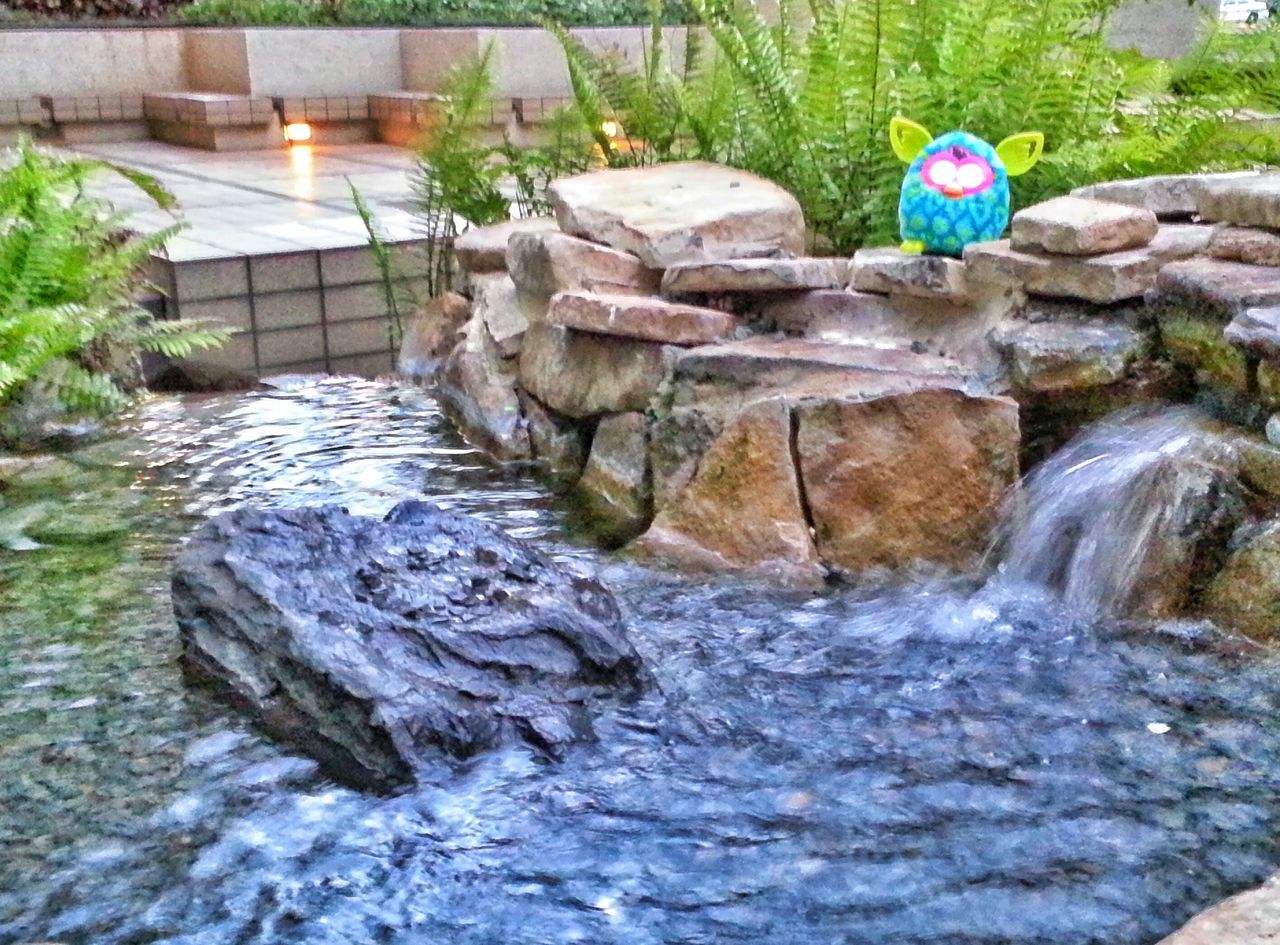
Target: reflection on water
{"type": "Point", "coordinates": [920, 765]}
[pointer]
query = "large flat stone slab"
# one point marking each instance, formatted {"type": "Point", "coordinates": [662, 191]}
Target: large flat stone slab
{"type": "Point", "coordinates": [742, 511]}
{"type": "Point", "coordinates": [1169, 196]}
{"type": "Point", "coordinates": [757, 275]}
{"type": "Point", "coordinates": [543, 264]}
{"type": "Point", "coordinates": [1219, 288]}
{"type": "Point", "coordinates": [1052, 357]}
{"type": "Point", "coordinates": [889, 271]}
{"type": "Point", "coordinates": [764, 361]}
{"type": "Point", "coordinates": [582, 374]}
{"type": "Point", "coordinates": [1244, 201]}
{"type": "Point", "coordinates": [679, 213]}
{"type": "Point", "coordinates": [907, 478]}
{"type": "Point", "coordinates": [1104, 280]}
{"type": "Point", "coordinates": [1076, 226]}
{"type": "Point", "coordinates": [642, 318]}
{"type": "Point", "coordinates": [484, 248]}
{"type": "Point", "coordinates": [1251, 918]}
{"type": "Point", "coordinates": [1247, 245]}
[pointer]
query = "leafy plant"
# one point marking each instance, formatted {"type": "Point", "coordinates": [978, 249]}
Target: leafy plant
{"type": "Point", "coordinates": [462, 180]}
{"type": "Point", "coordinates": [809, 107]}
{"type": "Point", "coordinates": [395, 291]}
{"type": "Point", "coordinates": [69, 271]}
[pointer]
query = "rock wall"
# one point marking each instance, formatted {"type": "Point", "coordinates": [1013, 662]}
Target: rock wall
{"type": "Point", "coordinates": [720, 401]}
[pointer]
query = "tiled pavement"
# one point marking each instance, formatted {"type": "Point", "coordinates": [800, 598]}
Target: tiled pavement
{"type": "Point", "coordinates": [274, 248]}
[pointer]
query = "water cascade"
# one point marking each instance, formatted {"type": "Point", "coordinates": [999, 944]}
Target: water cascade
{"type": "Point", "coordinates": [1119, 520]}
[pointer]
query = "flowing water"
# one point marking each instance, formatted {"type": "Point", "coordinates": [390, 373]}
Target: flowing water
{"type": "Point", "coordinates": [929, 764]}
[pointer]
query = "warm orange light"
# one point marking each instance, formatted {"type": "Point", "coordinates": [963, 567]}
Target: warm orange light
{"type": "Point", "coordinates": [297, 131]}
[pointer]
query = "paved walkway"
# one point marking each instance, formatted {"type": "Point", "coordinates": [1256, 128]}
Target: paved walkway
{"type": "Point", "coordinates": [259, 202]}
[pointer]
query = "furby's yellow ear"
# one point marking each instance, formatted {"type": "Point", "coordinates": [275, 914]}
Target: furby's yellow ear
{"type": "Point", "coordinates": [908, 138]}
{"type": "Point", "coordinates": [1021, 152]}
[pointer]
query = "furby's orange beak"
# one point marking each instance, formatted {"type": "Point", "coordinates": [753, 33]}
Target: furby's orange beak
{"type": "Point", "coordinates": [953, 190]}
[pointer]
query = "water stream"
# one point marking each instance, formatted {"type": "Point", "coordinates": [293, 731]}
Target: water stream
{"type": "Point", "coordinates": [925, 764]}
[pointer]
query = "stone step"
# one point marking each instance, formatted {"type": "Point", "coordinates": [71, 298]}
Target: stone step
{"type": "Point", "coordinates": [1245, 201]}
{"type": "Point", "coordinates": [544, 263]}
{"type": "Point", "coordinates": [641, 318]}
{"type": "Point", "coordinates": [1218, 288]}
{"type": "Point", "coordinates": [1075, 226]}
{"type": "Point", "coordinates": [1257, 330]}
{"type": "Point", "coordinates": [757, 275]}
{"type": "Point", "coordinates": [1247, 245]}
{"type": "Point", "coordinates": [1114, 277]}
{"type": "Point", "coordinates": [1169, 196]}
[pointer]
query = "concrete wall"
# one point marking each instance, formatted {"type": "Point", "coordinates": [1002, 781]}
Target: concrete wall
{"type": "Point", "coordinates": [1161, 29]}
{"type": "Point", "coordinates": [217, 61]}
{"type": "Point", "coordinates": [299, 62]}
{"type": "Point", "coordinates": [90, 61]}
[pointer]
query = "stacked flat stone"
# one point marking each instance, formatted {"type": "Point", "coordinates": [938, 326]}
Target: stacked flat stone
{"type": "Point", "coordinates": [1220, 316]}
{"type": "Point", "coordinates": [654, 347]}
{"type": "Point", "coordinates": [1094, 251]}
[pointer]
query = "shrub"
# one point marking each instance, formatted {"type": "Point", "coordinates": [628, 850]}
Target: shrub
{"type": "Point", "coordinates": [424, 12]}
{"type": "Point", "coordinates": [810, 108]}
{"type": "Point", "coordinates": [68, 275]}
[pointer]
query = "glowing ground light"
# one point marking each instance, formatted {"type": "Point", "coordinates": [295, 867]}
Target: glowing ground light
{"type": "Point", "coordinates": [297, 131]}
{"type": "Point", "coordinates": [611, 129]}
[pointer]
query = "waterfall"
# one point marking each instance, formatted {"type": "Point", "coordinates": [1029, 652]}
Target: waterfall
{"type": "Point", "coordinates": [1116, 521]}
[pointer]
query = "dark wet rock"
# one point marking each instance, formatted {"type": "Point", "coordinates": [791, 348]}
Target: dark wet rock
{"type": "Point", "coordinates": [382, 648]}
{"type": "Point", "coordinates": [616, 487]}
{"type": "Point", "coordinates": [477, 389]}
{"type": "Point", "coordinates": [432, 334]}
{"type": "Point", "coordinates": [559, 443]}
{"type": "Point", "coordinates": [1245, 596]}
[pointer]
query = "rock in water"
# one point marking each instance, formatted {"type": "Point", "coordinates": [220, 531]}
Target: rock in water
{"type": "Point", "coordinates": [382, 648]}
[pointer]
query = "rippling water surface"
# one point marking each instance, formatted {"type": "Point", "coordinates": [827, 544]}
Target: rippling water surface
{"type": "Point", "coordinates": [931, 764]}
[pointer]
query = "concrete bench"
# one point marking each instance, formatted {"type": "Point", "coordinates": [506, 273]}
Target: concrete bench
{"type": "Point", "coordinates": [86, 119]}
{"type": "Point", "coordinates": [335, 119]}
{"type": "Point", "coordinates": [20, 116]}
{"type": "Point", "coordinates": [213, 121]}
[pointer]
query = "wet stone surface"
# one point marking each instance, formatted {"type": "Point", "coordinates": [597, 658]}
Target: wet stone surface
{"type": "Point", "coordinates": [931, 764]}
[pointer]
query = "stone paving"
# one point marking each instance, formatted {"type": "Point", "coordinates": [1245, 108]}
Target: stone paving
{"type": "Point", "coordinates": [274, 248]}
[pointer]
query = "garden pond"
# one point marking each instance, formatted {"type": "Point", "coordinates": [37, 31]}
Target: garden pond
{"type": "Point", "coordinates": [938, 762]}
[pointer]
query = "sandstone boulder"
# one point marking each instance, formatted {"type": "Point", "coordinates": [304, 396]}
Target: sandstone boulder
{"type": "Point", "coordinates": [893, 271]}
{"type": "Point", "coordinates": [543, 264]}
{"type": "Point", "coordinates": [1075, 226]}
{"type": "Point", "coordinates": [756, 275]}
{"type": "Point", "coordinates": [906, 478]}
{"type": "Point", "coordinates": [484, 248]}
{"type": "Point", "coordinates": [678, 213]}
{"type": "Point", "coordinates": [1244, 201]}
{"type": "Point", "coordinates": [581, 374]}
{"type": "Point", "coordinates": [742, 512]}
{"type": "Point", "coordinates": [1251, 918]}
{"type": "Point", "coordinates": [388, 648]}
{"type": "Point", "coordinates": [477, 390]}
{"type": "Point", "coordinates": [641, 318]}
{"type": "Point", "coordinates": [616, 487]}
{"type": "Point", "coordinates": [1171, 196]}
{"type": "Point", "coordinates": [433, 332]}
